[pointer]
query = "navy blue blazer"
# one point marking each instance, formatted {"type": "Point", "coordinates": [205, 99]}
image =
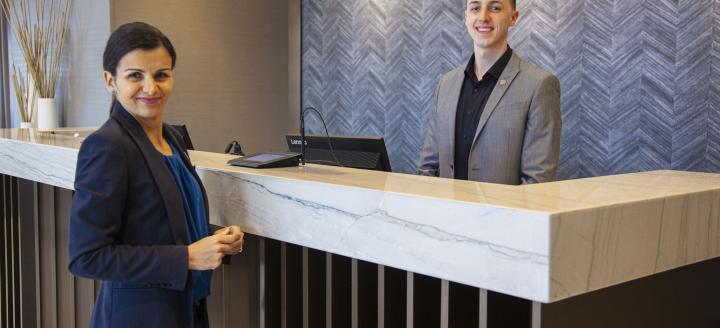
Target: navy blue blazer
{"type": "Point", "coordinates": [127, 227]}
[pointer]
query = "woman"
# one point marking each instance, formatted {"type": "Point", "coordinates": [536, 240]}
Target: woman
{"type": "Point", "coordinates": [139, 215]}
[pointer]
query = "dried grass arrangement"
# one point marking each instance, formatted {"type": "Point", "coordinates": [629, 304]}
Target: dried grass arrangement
{"type": "Point", "coordinates": [24, 95]}
{"type": "Point", "coordinates": [40, 28]}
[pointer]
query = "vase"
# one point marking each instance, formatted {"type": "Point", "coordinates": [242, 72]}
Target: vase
{"type": "Point", "coordinates": [46, 114]}
{"type": "Point", "coordinates": [25, 125]}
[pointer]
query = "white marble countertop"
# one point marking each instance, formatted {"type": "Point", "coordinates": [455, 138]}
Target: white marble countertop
{"type": "Point", "coordinates": [543, 242]}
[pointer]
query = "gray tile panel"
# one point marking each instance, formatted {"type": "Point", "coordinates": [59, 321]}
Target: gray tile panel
{"type": "Point", "coordinates": [640, 79]}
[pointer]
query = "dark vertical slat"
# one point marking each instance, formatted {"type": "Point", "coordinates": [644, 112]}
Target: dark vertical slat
{"type": "Point", "coordinates": [508, 311]}
{"type": "Point", "coordinates": [241, 286]}
{"type": "Point", "coordinates": [28, 252]}
{"type": "Point", "coordinates": [3, 267]}
{"type": "Point", "coordinates": [4, 301]}
{"type": "Point", "coordinates": [395, 298]}
{"type": "Point", "coordinates": [261, 283]}
{"type": "Point", "coordinates": [65, 280]}
{"type": "Point", "coordinates": [464, 305]}
{"type": "Point", "coordinates": [293, 286]}
{"type": "Point", "coordinates": [273, 284]}
{"type": "Point", "coordinates": [354, 294]}
{"type": "Point", "coordinates": [85, 289]}
{"type": "Point", "coordinates": [11, 244]}
{"type": "Point", "coordinates": [328, 290]}
{"type": "Point", "coordinates": [426, 302]}
{"type": "Point", "coordinates": [306, 287]}
{"type": "Point", "coordinates": [14, 256]}
{"type": "Point", "coordinates": [381, 296]}
{"type": "Point", "coordinates": [6, 265]}
{"type": "Point", "coordinates": [341, 291]}
{"type": "Point", "coordinates": [48, 268]}
{"type": "Point", "coordinates": [216, 310]}
{"type": "Point", "coordinates": [316, 288]}
{"type": "Point", "coordinates": [8, 297]}
{"type": "Point", "coordinates": [84, 301]}
{"type": "Point", "coordinates": [367, 294]}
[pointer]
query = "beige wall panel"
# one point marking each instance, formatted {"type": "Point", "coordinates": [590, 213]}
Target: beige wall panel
{"type": "Point", "coordinates": [294, 63]}
{"type": "Point", "coordinates": [231, 78]}
{"type": "Point", "coordinates": [85, 101]}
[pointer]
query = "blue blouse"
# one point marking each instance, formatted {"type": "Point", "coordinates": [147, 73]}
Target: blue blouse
{"type": "Point", "coordinates": [196, 222]}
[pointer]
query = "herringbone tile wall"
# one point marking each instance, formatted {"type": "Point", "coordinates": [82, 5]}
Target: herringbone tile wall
{"type": "Point", "coordinates": [640, 78]}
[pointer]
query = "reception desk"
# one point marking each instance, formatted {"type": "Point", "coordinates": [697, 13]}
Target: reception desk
{"type": "Point", "coordinates": [340, 247]}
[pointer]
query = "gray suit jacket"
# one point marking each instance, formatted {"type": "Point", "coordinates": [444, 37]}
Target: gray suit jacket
{"type": "Point", "coordinates": [518, 138]}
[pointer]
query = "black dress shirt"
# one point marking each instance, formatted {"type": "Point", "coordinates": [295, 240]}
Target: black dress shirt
{"type": "Point", "coordinates": [472, 101]}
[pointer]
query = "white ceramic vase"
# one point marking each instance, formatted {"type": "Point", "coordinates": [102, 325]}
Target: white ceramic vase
{"type": "Point", "coordinates": [25, 125]}
{"type": "Point", "coordinates": [46, 114]}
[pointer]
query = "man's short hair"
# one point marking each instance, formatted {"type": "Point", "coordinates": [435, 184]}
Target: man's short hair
{"type": "Point", "coordinates": [513, 4]}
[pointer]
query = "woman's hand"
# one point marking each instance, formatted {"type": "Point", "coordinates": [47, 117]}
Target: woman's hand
{"type": "Point", "coordinates": [207, 253]}
{"type": "Point", "coordinates": [237, 246]}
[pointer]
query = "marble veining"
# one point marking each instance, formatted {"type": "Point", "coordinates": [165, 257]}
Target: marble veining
{"type": "Point", "coordinates": [543, 242]}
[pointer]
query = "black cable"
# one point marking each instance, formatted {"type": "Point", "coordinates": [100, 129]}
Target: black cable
{"type": "Point", "coordinates": [327, 134]}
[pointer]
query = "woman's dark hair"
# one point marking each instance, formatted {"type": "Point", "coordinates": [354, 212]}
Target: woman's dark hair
{"type": "Point", "coordinates": [131, 36]}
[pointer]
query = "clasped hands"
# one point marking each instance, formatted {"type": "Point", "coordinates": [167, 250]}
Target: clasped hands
{"type": "Point", "coordinates": [207, 253]}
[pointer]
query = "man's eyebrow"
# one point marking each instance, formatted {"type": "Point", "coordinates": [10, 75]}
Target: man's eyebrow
{"type": "Point", "coordinates": [140, 70]}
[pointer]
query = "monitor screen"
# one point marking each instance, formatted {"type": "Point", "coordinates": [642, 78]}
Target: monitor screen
{"type": "Point", "coordinates": [356, 152]}
{"type": "Point", "coordinates": [264, 157]}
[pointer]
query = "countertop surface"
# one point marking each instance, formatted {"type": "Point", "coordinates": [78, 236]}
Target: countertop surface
{"type": "Point", "coordinates": [543, 242]}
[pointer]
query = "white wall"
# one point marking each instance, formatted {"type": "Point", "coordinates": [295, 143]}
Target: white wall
{"type": "Point", "coordinates": [81, 97]}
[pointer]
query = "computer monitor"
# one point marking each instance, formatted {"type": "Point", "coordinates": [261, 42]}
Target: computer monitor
{"type": "Point", "coordinates": [356, 152]}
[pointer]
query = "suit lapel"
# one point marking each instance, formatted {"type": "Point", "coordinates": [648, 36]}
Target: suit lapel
{"type": "Point", "coordinates": [453, 90]}
{"type": "Point", "coordinates": [508, 75]}
{"type": "Point", "coordinates": [180, 146]}
{"type": "Point", "coordinates": [164, 180]}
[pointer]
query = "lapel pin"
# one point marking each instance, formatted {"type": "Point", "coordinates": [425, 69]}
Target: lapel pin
{"type": "Point", "coordinates": [503, 82]}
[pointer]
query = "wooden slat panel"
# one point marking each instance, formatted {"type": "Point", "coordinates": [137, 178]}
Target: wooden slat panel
{"type": "Point", "coordinates": [84, 301]}
{"type": "Point", "coordinates": [66, 282]}
{"type": "Point", "coordinates": [15, 291]}
{"type": "Point", "coordinates": [293, 300]}
{"type": "Point", "coordinates": [28, 252]}
{"type": "Point", "coordinates": [426, 302]}
{"type": "Point", "coordinates": [273, 284]}
{"type": "Point", "coordinates": [367, 294]}
{"type": "Point", "coordinates": [48, 267]}
{"type": "Point", "coordinates": [241, 289]}
{"type": "Point", "coordinates": [4, 300]}
{"type": "Point", "coordinates": [316, 288]}
{"type": "Point", "coordinates": [464, 305]}
{"type": "Point", "coordinates": [508, 311]}
{"type": "Point", "coordinates": [216, 308]}
{"type": "Point", "coordinates": [4, 251]}
{"type": "Point", "coordinates": [341, 291]}
{"type": "Point", "coordinates": [7, 292]}
{"type": "Point", "coordinates": [13, 267]}
{"type": "Point", "coordinates": [395, 298]}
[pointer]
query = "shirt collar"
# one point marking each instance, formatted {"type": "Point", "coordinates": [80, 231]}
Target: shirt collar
{"type": "Point", "coordinates": [494, 71]}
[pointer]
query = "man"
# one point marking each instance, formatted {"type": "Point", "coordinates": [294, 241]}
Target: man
{"type": "Point", "coordinates": [496, 119]}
